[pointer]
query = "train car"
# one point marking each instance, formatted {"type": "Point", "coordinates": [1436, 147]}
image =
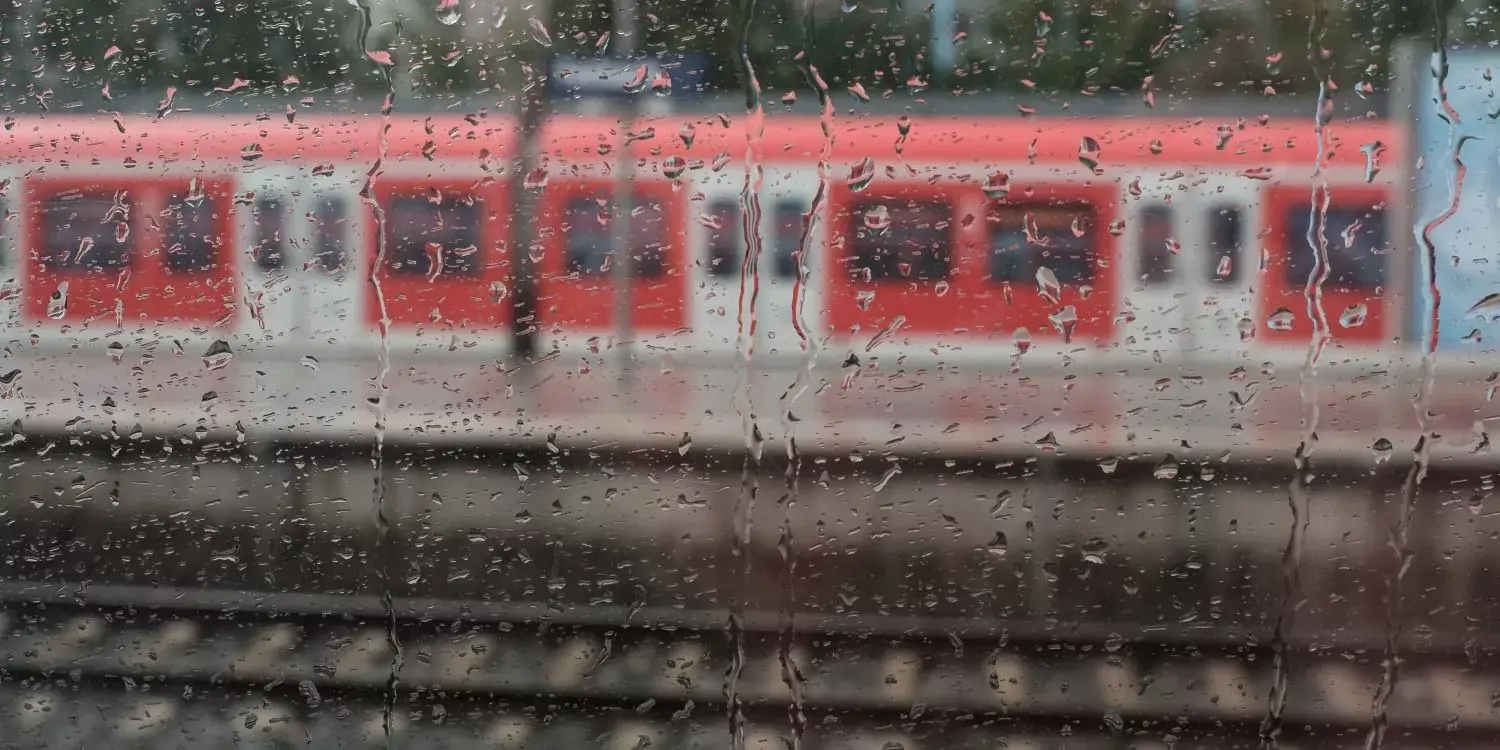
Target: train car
{"type": "Point", "coordinates": [969, 241]}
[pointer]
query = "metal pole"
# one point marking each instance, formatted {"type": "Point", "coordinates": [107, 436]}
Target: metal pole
{"type": "Point", "coordinates": [624, 39]}
{"type": "Point", "coordinates": [533, 100]}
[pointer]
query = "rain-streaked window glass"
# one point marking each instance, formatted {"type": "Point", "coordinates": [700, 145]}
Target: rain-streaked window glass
{"type": "Point", "coordinates": [330, 235]}
{"type": "Point", "coordinates": [725, 242]}
{"type": "Point", "coordinates": [1157, 262]}
{"type": "Point", "coordinates": [441, 233]}
{"type": "Point", "coordinates": [1354, 240]}
{"type": "Point", "coordinates": [1225, 242]}
{"type": "Point", "coordinates": [788, 239]}
{"type": "Point", "coordinates": [899, 240]}
{"type": "Point", "coordinates": [271, 240]}
{"type": "Point", "coordinates": [588, 237]}
{"type": "Point", "coordinates": [86, 231]}
{"type": "Point", "coordinates": [1025, 238]}
{"type": "Point", "coordinates": [194, 235]}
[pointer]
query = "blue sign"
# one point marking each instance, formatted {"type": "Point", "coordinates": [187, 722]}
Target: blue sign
{"type": "Point", "coordinates": [1468, 266]}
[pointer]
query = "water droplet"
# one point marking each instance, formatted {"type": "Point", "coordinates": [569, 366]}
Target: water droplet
{"type": "Point", "coordinates": [1225, 267]}
{"type": "Point", "coordinates": [310, 362]}
{"type": "Point", "coordinates": [218, 356]}
{"type": "Point", "coordinates": [57, 304]}
{"type": "Point", "coordinates": [1022, 339]}
{"type": "Point", "coordinates": [1065, 320]}
{"type": "Point", "coordinates": [1047, 443]}
{"type": "Point", "coordinates": [536, 179]}
{"type": "Point", "coordinates": [999, 545]}
{"type": "Point", "coordinates": [1173, 246]}
{"type": "Point", "coordinates": [1109, 465]}
{"type": "Point", "coordinates": [1089, 153]}
{"type": "Point", "coordinates": [1117, 227]}
{"type": "Point", "coordinates": [1354, 316]}
{"type": "Point", "coordinates": [1114, 642]}
{"type": "Point", "coordinates": [685, 444]}
{"type": "Point", "coordinates": [1476, 504]}
{"type": "Point", "coordinates": [209, 400]}
{"type": "Point", "coordinates": [861, 174]}
{"type": "Point", "coordinates": [1372, 152]}
{"type": "Point", "coordinates": [1167, 469]}
{"type": "Point", "coordinates": [381, 57]}
{"type": "Point", "coordinates": [997, 186]}
{"type": "Point", "coordinates": [1094, 550]}
{"type": "Point", "coordinates": [903, 129]}
{"type": "Point", "coordinates": [1047, 285]}
{"type": "Point", "coordinates": [1383, 449]}
{"type": "Point", "coordinates": [539, 33]}
{"type": "Point", "coordinates": [940, 288]}
{"type": "Point", "coordinates": [789, 98]}
{"type": "Point", "coordinates": [1488, 305]}
{"type": "Point", "coordinates": [447, 12]}
{"type": "Point", "coordinates": [858, 90]}
{"type": "Point", "coordinates": [673, 166]}
{"type": "Point", "coordinates": [687, 133]}
{"type": "Point", "coordinates": [1281, 320]}
{"type": "Point", "coordinates": [721, 160]}
{"type": "Point", "coordinates": [661, 83]}
{"type": "Point", "coordinates": [864, 298]}
{"type": "Point", "coordinates": [116, 351]}
{"type": "Point", "coordinates": [1043, 24]}
{"type": "Point", "coordinates": [251, 152]}
{"type": "Point", "coordinates": [878, 219]}
{"type": "Point", "coordinates": [1155, 148]}
{"type": "Point", "coordinates": [1246, 328]}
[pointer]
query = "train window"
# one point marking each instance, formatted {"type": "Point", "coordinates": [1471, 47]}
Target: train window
{"type": "Point", "coordinates": [1156, 257]}
{"type": "Point", "coordinates": [269, 252]}
{"type": "Point", "coordinates": [329, 219]}
{"type": "Point", "coordinates": [1023, 239]}
{"type": "Point", "coordinates": [896, 241]}
{"type": "Point", "coordinates": [588, 237]}
{"type": "Point", "coordinates": [433, 236]}
{"type": "Point", "coordinates": [193, 235]}
{"type": "Point", "coordinates": [788, 239]}
{"type": "Point", "coordinates": [725, 244]}
{"type": "Point", "coordinates": [1225, 238]}
{"type": "Point", "coordinates": [1355, 240]}
{"type": "Point", "coordinates": [87, 232]}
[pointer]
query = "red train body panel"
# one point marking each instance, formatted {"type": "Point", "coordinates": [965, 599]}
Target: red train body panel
{"type": "Point", "coordinates": [921, 257]}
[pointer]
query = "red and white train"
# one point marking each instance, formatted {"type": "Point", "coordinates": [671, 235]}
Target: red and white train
{"type": "Point", "coordinates": [963, 240]}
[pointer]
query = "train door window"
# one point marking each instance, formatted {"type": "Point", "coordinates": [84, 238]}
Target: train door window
{"type": "Point", "coordinates": [269, 251]}
{"type": "Point", "coordinates": [1156, 256]}
{"type": "Point", "coordinates": [328, 251]}
{"type": "Point", "coordinates": [1225, 240]}
{"type": "Point", "coordinates": [193, 236]}
{"type": "Point", "coordinates": [896, 241]}
{"type": "Point", "coordinates": [724, 239]}
{"type": "Point", "coordinates": [589, 236]}
{"type": "Point", "coordinates": [433, 236]}
{"type": "Point", "coordinates": [788, 239]}
{"type": "Point", "coordinates": [1355, 242]}
{"type": "Point", "coordinates": [87, 232]}
{"type": "Point", "coordinates": [1023, 239]}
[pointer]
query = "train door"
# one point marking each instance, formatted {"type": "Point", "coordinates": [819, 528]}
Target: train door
{"type": "Point", "coordinates": [331, 284]}
{"type": "Point", "coordinates": [784, 203]}
{"type": "Point", "coordinates": [718, 236]}
{"type": "Point", "coordinates": [267, 200]}
{"type": "Point", "coordinates": [1217, 271]}
{"type": "Point", "coordinates": [1154, 283]}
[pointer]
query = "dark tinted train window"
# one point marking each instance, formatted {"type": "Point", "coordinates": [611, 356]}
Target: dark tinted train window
{"type": "Point", "coordinates": [588, 237]}
{"type": "Point", "coordinates": [726, 244]}
{"type": "Point", "coordinates": [1355, 240]}
{"type": "Point", "coordinates": [1156, 258]}
{"type": "Point", "coordinates": [788, 239]}
{"type": "Point", "coordinates": [86, 232]}
{"type": "Point", "coordinates": [269, 251]}
{"type": "Point", "coordinates": [421, 233]}
{"type": "Point", "coordinates": [193, 236]}
{"type": "Point", "coordinates": [329, 241]}
{"type": "Point", "coordinates": [912, 244]}
{"type": "Point", "coordinates": [1054, 243]}
{"type": "Point", "coordinates": [1225, 238]}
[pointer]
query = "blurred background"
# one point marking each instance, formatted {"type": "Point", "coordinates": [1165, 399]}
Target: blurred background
{"type": "Point", "coordinates": [751, 374]}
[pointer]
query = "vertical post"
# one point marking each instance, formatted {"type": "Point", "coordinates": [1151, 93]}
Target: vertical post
{"type": "Point", "coordinates": [944, 28]}
{"type": "Point", "coordinates": [625, 42]}
{"type": "Point", "coordinates": [532, 101]}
